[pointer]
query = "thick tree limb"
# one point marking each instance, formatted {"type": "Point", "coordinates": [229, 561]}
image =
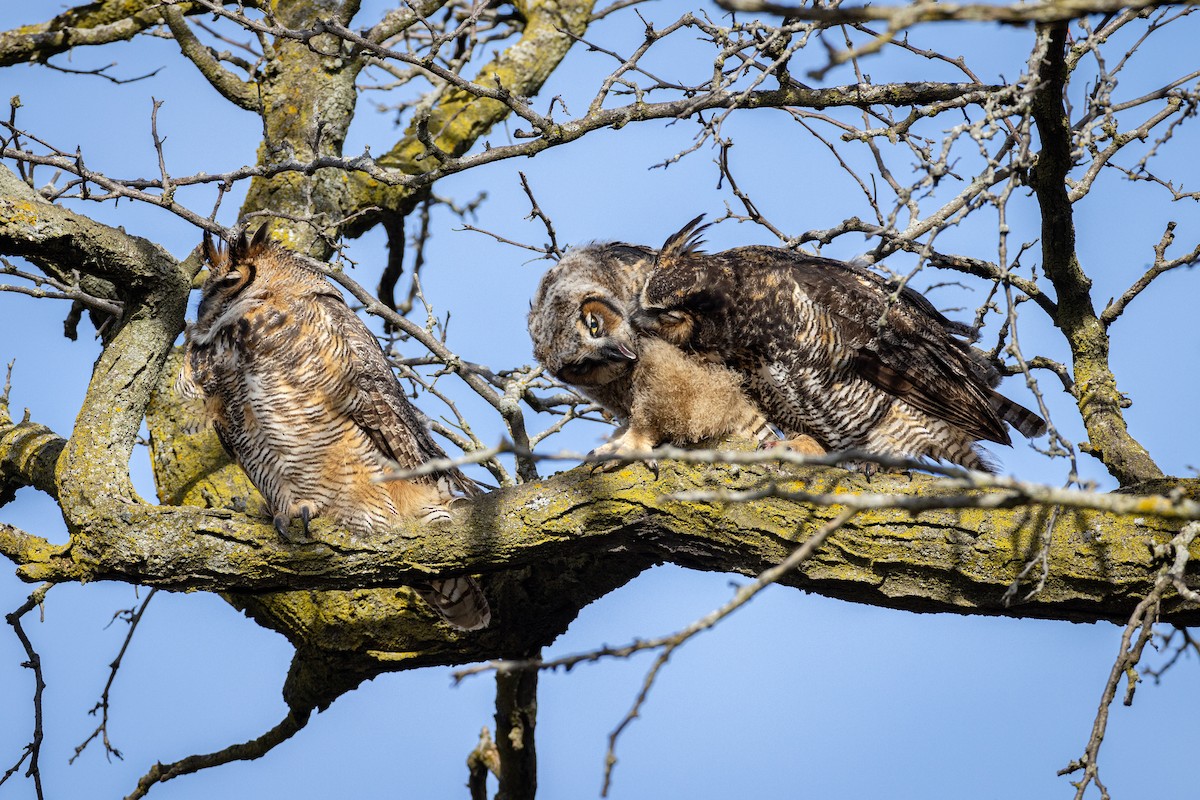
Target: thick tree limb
{"type": "Point", "coordinates": [60, 242]}
{"type": "Point", "coordinates": [516, 721]}
{"type": "Point", "coordinates": [88, 24]}
{"type": "Point", "coordinates": [93, 468]}
{"type": "Point", "coordinates": [957, 558]}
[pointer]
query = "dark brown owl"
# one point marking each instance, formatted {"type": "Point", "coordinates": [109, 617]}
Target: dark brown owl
{"type": "Point", "coordinates": [580, 323]}
{"type": "Point", "coordinates": [832, 351]}
{"type": "Point", "coordinates": [304, 400]}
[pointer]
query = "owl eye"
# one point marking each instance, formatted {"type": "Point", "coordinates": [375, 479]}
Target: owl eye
{"type": "Point", "coordinates": [230, 278]}
{"type": "Point", "coordinates": [593, 325]}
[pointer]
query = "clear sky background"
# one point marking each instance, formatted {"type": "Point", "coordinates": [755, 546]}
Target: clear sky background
{"type": "Point", "coordinates": [794, 696]}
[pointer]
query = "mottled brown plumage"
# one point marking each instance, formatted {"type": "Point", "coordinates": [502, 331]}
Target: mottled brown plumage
{"type": "Point", "coordinates": [580, 323]}
{"type": "Point", "coordinates": [302, 397]}
{"type": "Point", "coordinates": [832, 350]}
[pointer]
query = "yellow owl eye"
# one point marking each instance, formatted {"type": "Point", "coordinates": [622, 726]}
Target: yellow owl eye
{"type": "Point", "coordinates": [593, 325]}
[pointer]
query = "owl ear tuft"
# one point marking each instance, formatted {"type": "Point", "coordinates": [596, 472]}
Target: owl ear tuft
{"type": "Point", "coordinates": [261, 237]}
{"type": "Point", "coordinates": [239, 246]}
{"type": "Point", "coordinates": [215, 253]}
{"type": "Point", "coordinates": [208, 249]}
{"type": "Point", "coordinates": [244, 247]}
{"type": "Point", "coordinates": [686, 241]}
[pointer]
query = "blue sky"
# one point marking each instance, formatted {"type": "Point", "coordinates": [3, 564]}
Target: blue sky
{"type": "Point", "coordinates": [794, 696]}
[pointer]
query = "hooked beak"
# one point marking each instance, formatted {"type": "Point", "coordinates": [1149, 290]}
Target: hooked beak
{"type": "Point", "coordinates": [619, 350]}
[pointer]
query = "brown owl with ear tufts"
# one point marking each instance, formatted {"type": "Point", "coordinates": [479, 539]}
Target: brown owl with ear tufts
{"type": "Point", "coordinates": [580, 321]}
{"type": "Point", "coordinates": [304, 400]}
{"type": "Point", "coordinates": [832, 351]}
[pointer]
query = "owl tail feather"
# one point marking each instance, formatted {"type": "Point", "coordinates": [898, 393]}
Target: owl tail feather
{"type": "Point", "coordinates": [459, 601]}
{"type": "Point", "coordinates": [1021, 418]}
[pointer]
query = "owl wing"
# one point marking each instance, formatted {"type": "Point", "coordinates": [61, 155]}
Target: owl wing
{"type": "Point", "coordinates": [377, 404]}
{"type": "Point", "coordinates": [912, 354]}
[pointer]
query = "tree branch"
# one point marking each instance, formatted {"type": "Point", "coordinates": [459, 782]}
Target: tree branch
{"type": "Point", "coordinates": [401, 19]}
{"type": "Point", "coordinates": [944, 552]}
{"type": "Point", "coordinates": [91, 24]}
{"type": "Point", "coordinates": [516, 719]}
{"type": "Point", "coordinates": [60, 242]}
{"type": "Point", "coordinates": [246, 751]}
{"type": "Point", "coordinates": [243, 94]}
{"type": "Point", "coordinates": [909, 14]}
{"type": "Point", "coordinates": [1098, 396]}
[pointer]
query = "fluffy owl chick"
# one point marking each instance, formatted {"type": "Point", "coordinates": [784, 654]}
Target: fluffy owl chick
{"type": "Point", "coordinates": [830, 350]}
{"type": "Point", "coordinates": [303, 399]}
{"type": "Point", "coordinates": [580, 322]}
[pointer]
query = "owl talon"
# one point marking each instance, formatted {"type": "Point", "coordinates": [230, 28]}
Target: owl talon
{"type": "Point", "coordinates": [305, 516]}
{"type": "Point", "coordinates": [868, 469]}
{"type": "Point", "coordinates": [281, 525]}
{"type": "Point", "coordinates": [601, 466]}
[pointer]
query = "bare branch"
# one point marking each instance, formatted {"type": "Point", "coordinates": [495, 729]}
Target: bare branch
{"type": "Point", "coordinates": [743, 595]}
{"type": "Point", "coordinates": [62, 290]}
{"type": "Point", "coordinates": [1141, 623]}
{"type": "Point", "coordinates": [901, 17]}
{"type": "Point", "coordinates": [243, 94]}
{"type": "Point", "coordinates": [93, 24]}
{"type": "Point", "coordinates": [1099, 399]}
{"type": "Point", "coordinates": [246, 751]}
{"type": "Point", "coordinates": [132, 616]}
{"type": "Point", "coordinates": [33, 661]}
{"type": "Point", "coordinates": [1161, 265]}
{"type": "Point", "coordinates": [552, 249]}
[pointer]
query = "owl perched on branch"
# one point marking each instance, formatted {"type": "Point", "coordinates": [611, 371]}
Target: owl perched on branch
{"type": "Point", "coordinates": [832, 351]}
{"type": "Point", "coordinates": [580, 321]}
{"type": "Point", "coordinates": [304, 400]}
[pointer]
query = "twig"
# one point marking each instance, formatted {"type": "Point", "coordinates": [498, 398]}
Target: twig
{"type": "Point", "coordinates": [1141, 623]}
{"type": "Point", "coordinates": [33, 661]}
{"type": "Point", "coordinates": [133, 617]}
{"type": "Point", "coordinates": [1161, 266]}
{"type": "Point", "coordinates": [536, 211]}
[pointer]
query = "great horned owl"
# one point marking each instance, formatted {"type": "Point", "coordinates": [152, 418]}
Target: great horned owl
{"type": "Point", "coordinates": [831, 350]}
{"type": "Point", "coordinates": [580, 323]}
{"type": "Point", "coordinates": [302, 397]}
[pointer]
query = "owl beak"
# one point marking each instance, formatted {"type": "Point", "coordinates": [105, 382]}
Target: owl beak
{"type": "Point", "coordinates": [619, 350]}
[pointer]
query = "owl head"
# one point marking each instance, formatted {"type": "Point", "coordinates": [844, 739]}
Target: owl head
{"type": "Point", "coordinates": [580, 318]}
{"type": "Point", "coordinates": [246, 272]}
{"type": "Point", "coordinates": [682, 295]}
